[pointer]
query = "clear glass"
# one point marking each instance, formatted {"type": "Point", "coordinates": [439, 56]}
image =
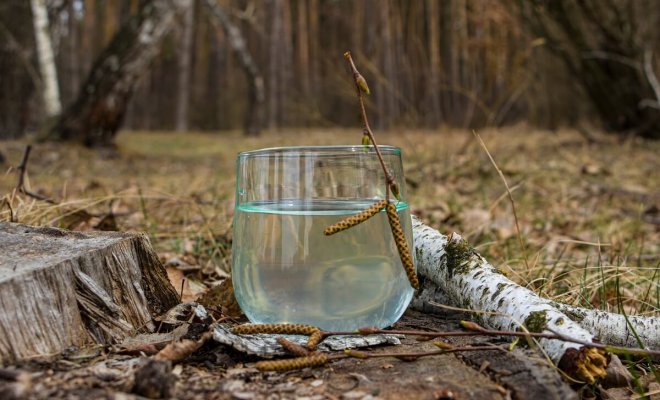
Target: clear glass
{"type": "Point", "coordinates": [285, 270]}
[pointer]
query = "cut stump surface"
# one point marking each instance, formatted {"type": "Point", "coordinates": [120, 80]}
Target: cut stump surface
{"type": "Point", "coordinates": [61, 289]}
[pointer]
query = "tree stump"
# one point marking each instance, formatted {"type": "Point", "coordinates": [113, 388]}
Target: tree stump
{"type": "Point", "coordinates": [62, 289]}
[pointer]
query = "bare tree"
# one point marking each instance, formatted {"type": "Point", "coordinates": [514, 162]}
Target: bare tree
{"type": "Point", "coordinates": [51, 91]}
{"type": "Point", "coordinates": [96, 115]}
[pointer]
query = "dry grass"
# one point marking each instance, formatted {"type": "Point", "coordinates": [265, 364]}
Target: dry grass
{"type": "Point", "coordinates": [588, 212]}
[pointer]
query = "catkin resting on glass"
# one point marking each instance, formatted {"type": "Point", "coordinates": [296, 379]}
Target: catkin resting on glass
{"type": "Point", "coordinates": [355, 219]}
{"type": "Point", "coordinates": [402, 245]}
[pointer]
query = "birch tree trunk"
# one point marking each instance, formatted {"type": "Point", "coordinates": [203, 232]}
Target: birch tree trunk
{"type": "Point", "coordinates": [51, 92]}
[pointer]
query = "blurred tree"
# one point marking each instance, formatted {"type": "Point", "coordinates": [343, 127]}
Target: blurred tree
{"type": "Point", "coordinates": [184, 70]}
{"type": "Point", "coordinates": [607, 49]}
{"type": "Point", "coordinates": [19, 78]}
{"type": "Point", "coordinates": [96, 115]}
{"type": "Point", "coordinates": [256, 97]}
{"type": "Point", "coordinates": [50, 87]}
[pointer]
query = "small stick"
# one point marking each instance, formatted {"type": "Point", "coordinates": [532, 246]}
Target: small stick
{"type": "Point", "coordinates": [20, 185]}
{"type": "Point", "coordinates": [22, 167]}
{"type": "Point", "coordinates": [389, 179]}
{"type": "Point", "coordinates": [183, 282]}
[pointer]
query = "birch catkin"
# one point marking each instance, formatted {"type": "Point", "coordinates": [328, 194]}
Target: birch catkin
{"type": "Point", "coordinates": [293, 348]}
{"type": "Point", "coordinates": [402, 245]}
{"type": "Point", "coordinates": [293, 363]}
{"type": "Point", "coordinates": [355, 219]}
{"type": "Point", "coordinates": [314, 339]}
{"type": "Point", "coordinates": [285, 329]}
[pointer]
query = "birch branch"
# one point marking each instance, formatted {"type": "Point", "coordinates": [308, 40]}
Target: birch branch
{"type": "Point", "coordinates": [453, 273]}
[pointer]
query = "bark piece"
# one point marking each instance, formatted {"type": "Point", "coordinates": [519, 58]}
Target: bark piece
{"type": "Point", "coordinates": [266, 345]}
{"type": "Point", "coordinates": [60, 289]}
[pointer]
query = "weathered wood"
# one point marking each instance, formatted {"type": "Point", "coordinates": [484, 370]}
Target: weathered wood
{"type": "Point", "coordinates": [60, 289]}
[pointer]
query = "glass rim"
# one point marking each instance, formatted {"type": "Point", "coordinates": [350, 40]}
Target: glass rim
{"type": "Point", "coordinates": [327, 149]}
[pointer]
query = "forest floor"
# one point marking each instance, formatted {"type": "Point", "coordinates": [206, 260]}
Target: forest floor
{"type": "Point", "coordinates": [588, 210]}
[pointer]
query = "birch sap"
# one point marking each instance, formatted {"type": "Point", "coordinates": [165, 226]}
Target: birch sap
{"type": "Point", "coordinates": [285, 269]}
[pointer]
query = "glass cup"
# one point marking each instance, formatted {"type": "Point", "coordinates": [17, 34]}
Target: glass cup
{"type": "Point", "coordinates": [285, 270]}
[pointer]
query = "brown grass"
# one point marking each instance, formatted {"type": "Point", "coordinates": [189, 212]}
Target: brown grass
{"type": "Point", "coordinates": [588, 212]}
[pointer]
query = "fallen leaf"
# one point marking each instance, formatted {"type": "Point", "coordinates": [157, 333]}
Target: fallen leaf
{"type": "Point", "coordinates": [177, 351]}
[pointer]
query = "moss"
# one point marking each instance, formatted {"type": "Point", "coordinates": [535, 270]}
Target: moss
{"type": "Point", "coordinates": [559, 321]}
{"type": "Point", "coordinates": [458, 256]}
{"type": "Point", "coordinates": [536, 321]}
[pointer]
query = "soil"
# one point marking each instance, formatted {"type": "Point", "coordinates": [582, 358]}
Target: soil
{"type": "Point", "coordinates": [218, 372]}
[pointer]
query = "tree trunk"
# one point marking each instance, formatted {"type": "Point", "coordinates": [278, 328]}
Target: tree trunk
{"type": "Point", "coordinates": [256, 97]}
{"type": "Point", "coordinates": [60, 289]}
{"type": "Point", "coordinates": [183, 78]}
{"type": "Point", "coordinates": [51, 91]}
{"type": "Point", "coordinates": [97, 114]}
{"type": "Point", "coordinates": [433, 109]}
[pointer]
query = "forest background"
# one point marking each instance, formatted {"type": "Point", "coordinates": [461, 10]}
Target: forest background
{"type": "Point", "coordinates": [452, 63]}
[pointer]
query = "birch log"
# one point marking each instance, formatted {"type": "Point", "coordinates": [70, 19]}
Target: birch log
{"type": "Point", "coordinates": [453, 273]}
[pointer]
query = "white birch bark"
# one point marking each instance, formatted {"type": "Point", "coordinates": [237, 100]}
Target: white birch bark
{"type": "Point", "coordinates": [478, 285]}
{"type": "Point", "coordinates": [51, 92]}
{"type": "Point", "coordinates": [474, 284]}
{"type": "Point", "coordinates": [613, 329]}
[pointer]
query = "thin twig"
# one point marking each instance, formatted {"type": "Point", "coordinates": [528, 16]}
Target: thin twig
{"type": "Point", "coordinates": [20, 185]}
{"type": "Point", "coordinates": [22, 168]}
{"type": "Point", "coordinates": [513, 203]}
{"type": "Point", "coordinates": [389, 180]}
{"type": "Point", "coordinates": [480, 331]}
